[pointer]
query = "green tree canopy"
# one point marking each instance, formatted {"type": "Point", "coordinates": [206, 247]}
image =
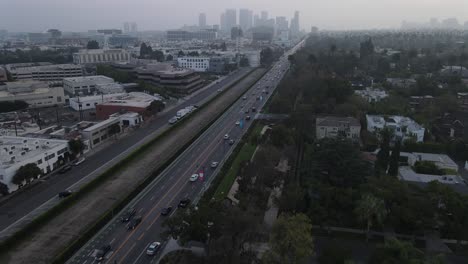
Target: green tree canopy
{"type": "Point", "coordinates": [9, 106]}
{"type": "Point", "coordinates": [76, 146]}
{"type": "Point", "coordinates": [92, 44]}
{"type": "Point", "coordinates": [26, 173]}
{"type": "Point", "coordinates": [4, 189]}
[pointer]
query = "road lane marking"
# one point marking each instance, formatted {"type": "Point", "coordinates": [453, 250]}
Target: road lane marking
{"type": "Point", "coordinates": [126, 254]}
{"type": "Point", "coordinates": [141, 254]}
{"type": "Point", "coordinates": [152, 198]}
{"type": "Point", "coordinates": [112, 241]}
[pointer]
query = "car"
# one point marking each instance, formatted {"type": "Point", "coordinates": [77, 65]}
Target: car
{"type": "Point", "coordinates": [244, 98]}
{"type": "Point", "coordinates": [173, 120]}
{"type": "Point", "coordinates": [101, 253]}
{"type": "Point", "coordinates": [166, 210]}
{"type": "Point", "coordinates": [194, 177]}
{"type": "Point", "coordinates": [258, 98]}
{"type": "Point", "coordinates": [219, 90]}
{"type": "Point", "coordinates": [184, 203]}
{"type": "Point", "coordinates": [64, 194]}
{"type": "Point", "coordinates": [64, 169]}
{"type": "Point", "coordinates": [226, 136]}
{"type": "Point", "coordinates": [231, 142]}
{"type": "Point", "coordinates": [214, 164]}
{"type": "Point", "coordinates": [246, 111]}
{"type": "Point", "coordinates": [237, 123]}
{"type": "Point", "coordinates": [254, 109]}
{"type": "Point", "coordinates": [134, 222]}
{"type": "Point", "coordinates": [128, 215]}
{"type": "Point", "coordinates": [247, 118]}
{"type": "Point", "coordinates": [153, 248]}
{"type": "Point", "coordinates": [79, 161]}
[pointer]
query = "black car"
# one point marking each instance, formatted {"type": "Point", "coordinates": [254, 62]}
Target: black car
{"type": "Point", "coordinates": [166, 211]}
{"type": "Point", "coordinates": [247, 118]}
{"type": "Point", "coordinates": [134, 222]}
{"type": "Point", "coordinates": [65, 169]}
{"type": "Point", "coordinates": [254, 109]}
{"type": "Point", "coordinates": [231, 142]}
{"type": "Point", "coordinates": [128, 215]}
{"type": "Point", "coordinates": [64, 194]}
{"type": "Point", "coordinates": [184, 203]}
{"type": "Point", "coordinates": [101, 253]}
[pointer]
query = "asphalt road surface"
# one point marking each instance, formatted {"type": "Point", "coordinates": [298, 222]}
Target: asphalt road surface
{"type": "Point", "coordinates": [129, 246]}
{"type": "Point", "coordinates": [23, 203]}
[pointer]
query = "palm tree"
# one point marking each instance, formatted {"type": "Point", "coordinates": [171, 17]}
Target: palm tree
{"type": "Point", "coordinates": [370, 210]}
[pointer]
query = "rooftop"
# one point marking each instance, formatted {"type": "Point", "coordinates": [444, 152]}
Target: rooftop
{"type": "Point", "coordinates": [336, 121]}
{"type": "Point", "coordinates": [54, 67]}
{"type": "Point", "coordinates": [24, 148]}
{"type": "Point", "coordinates": [401, 121]}
{"type": "Point", "coordinates": [99, 51]}
{"type": "Point", "coordinates": [98, 79]}
{"type": "Point", "coordinates": [134, 99]}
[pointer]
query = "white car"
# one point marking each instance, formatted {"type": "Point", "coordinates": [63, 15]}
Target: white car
{"type": "Point", "coordinates": [214, 164]}
{"type": "Point", "coordinates": [237, 123]}
{"type": "Point", "coordinates": [244, 98]}
{"type": "Point", "coordinates": [153, 248]}
{"type": "Point", "coordinates": [79, 161]}
{"type": "Point", "coordinates": [226, 136]}
{"type": "Point", "coordinates": [194, 177]}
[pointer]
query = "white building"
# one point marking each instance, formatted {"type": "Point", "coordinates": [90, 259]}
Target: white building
{"type": "Point", "coordinates": [332, 126]}
{"type": "Point", "coordinates": [90, 102]}
{"type": "Point", "coordinates": [86, 85]}
{"type": "Point", "coordinates": [198, 64]}
{"type": "Point", "coordinates": [30, 71]}
{"type": "Point", "coordinates": [372, 95]}
{"type": "Point", "coordinates": [103, 131]}
{"type": "Point", "coordinates": [402, 127]}
{"type": "Point", "coordinates": [19, 151]}
{"type": "Point", "coordinates": [35, 93]}
{"type": "Point", "coordinates": [100, 56]}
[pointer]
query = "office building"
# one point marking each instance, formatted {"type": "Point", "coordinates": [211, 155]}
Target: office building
{"type": "Point", "coordinates": [198, 64]}
{"type": "Point", "coordinates": [49, 72]}
{"type": "Point", "coordinates": [133, 27]}
{"type": "Point", "coordinates": [332, 127]}
{"type": "Point", "coordinates": [129, 102]}
{"type": "Point", "coordinates": [262, 34]}
{"type": "Point", "coordinates": [96, 56]}
{"type": "Point", "coordinates": [202, 20]}
{"type": "Point", "coordinates": [403, 128]}
{"type": "Point", "coordinates": [35, 93]}
{"type": "Point", "coordinates": [264, 15]}
{"type": "Point", "coordinates": [183, 35]}
{"type": "Point", "coordinates": [122, 41]}
{"type": "Point", "coordinates": [39, 38]}
{"type": "Point", "coordinates": [245, 19]}
{"type": "Point", "coordinates": [295, 29]}
{"type": "Point", "coordinates": [47, 154]}
{"type": "Point", "coordinates": [281, 23]}
{"type": "Point", "coordinates": [86, 85]}
{"type": "Point", "coordinates": [126, 28]}
{"type": "Point", "coordinates": [222, 22]}
{"type": "Point", "coordinates": [178, 81]}
{"type": "Point", "coordinates": [231, 19]}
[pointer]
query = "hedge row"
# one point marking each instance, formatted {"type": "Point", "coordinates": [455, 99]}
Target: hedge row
{"type": "Point", "coordinates": [38, 222]}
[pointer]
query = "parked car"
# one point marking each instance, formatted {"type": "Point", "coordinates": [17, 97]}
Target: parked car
{"type": "Point", "coordinates": [214, 164]}
{"type": "Point", "coordinates": [65, 169]}
{"type": "Point", "coordinates": [64, 194]}
{"type": "Point", "coordinates": [194, 177]}
{"type": "Point", "coordinates": [184, 203]}
{"type": "Point", "coordinates": [166, 210]}
{"type": "Point", "coordinates": [153, 248]}
{"type": "Point", "coordinates": [128, 215]}
{"type": "Point", "coordinates": [78, 161]}
{"type": "Point", "coordinates": [101, 253]}
{"type": "Point", "coordinates": [134, 222]}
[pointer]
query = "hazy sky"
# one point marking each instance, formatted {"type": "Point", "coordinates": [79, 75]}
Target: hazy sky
{"type": "Point", "coordinates": [81, 15]}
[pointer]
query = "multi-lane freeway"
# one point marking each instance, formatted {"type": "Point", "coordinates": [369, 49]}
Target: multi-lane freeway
{"type": "Point", "coordinates": [20, 206]}
{"type": "Point", "coordinates": [173, 185]}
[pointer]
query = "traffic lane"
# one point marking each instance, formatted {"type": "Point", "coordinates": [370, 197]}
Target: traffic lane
{"type": "Point", "coordinates": [184, 177]}
{"type": "Point", "coordinates": [26, 201]}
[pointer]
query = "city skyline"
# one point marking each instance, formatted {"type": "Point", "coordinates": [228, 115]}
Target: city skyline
{"type": "Point", "coordinates": [156, 15]}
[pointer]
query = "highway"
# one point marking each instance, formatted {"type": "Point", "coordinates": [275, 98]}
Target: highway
{"type": "Point", "coordinates": [21, 204]}
{"type": "Point", "coordinates": [173, 184]}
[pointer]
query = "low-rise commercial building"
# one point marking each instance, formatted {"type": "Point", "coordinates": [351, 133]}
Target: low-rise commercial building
{"type": "Point", "coordinates": [402, 127]}
{"type": "Point", "coordinates": [35, 93]}
{"type": "Point", "coordinates": [87, 85]}
{"type": "Point", "coordinates": [56, 72]}
{"type": "Point", "coordinates": [132, 102]}
{"type": "Point", "coordinates": [15, 152]}
{"type": "Point", "coordinates": [103, 131]}
{"type": "Point", "coordinates": [95, 56]}
{"type": "Point", "coordinates": [183, 35]}
{"type": "Point", "coordinates": [89, 102]}
{"type": "Point", "coordinates": [332, 126]}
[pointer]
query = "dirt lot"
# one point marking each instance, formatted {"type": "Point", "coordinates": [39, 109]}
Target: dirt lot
{"type": "Point", "coordinates": [66, 227]}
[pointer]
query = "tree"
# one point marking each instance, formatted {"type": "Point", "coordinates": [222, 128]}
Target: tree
{"type": "Point", "coordinates": [223, 46]}
{"type": "Point", "coordinates": [76, 147]}
{"type": "Point", "coordinates": [193, 54]}
{"type": "Point", "coordinates": [169, 57]}
{"type": "Point", "coordinates": [266, 56]}
{"type": "Point", "coordinates": [9, 106]}
{"type": "Point", "coordinates": [290, 240]}
{"type": "Point", "coordinates": [180, 54]}
{"type": "Point", "coordinates": [384, 152]}
{"type": "Point", "coordinates": [92, 44]}
{"type": "Point", "coordinates": [4, 189]}
{"type": "Point", "coordinates": [25, 173]}
{"type": "Point", "coordinates": [395, 251]}
{"type": "Point", "coordinates": [370, 210]}
{"type": "Point", "coordinates": [244, 62]}
{"type": "Point", "coordinates": [394, 159]}
{"type": "Point", "coordinates": [280, 136]}
{"type": "Point", "coordinates": [156, 106]}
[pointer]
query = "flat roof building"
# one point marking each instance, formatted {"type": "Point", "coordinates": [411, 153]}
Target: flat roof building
{"type": "Point", "coordinates": [95, 56]}
{"type": "Point", "coordinates": [19, 151]}
{"type": "Point", "coordinates": [89, 102]}
{"type": "Point", "coordinates": [402, 127]}
{"type": "Point", "coordinates": [87, 85]}
{"type": "Point", "coordinates": [35, 93]}
{"type": "Point", "coordinates": [132, 102]}
{"type": "Point", "coordinates": [333, 126]}
{"type": "Point", "coordinates": [55, 72]}
{"type": "Point", "coordinates": [198, 64]}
